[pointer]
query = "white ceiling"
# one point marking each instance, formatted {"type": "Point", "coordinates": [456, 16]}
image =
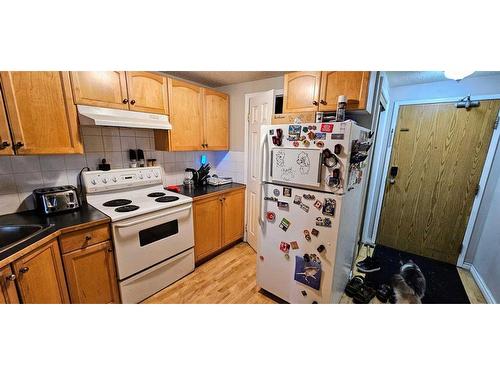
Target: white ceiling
{"type": "Point", "coordinates": [218, 78]}
{"type": "Point", "coordinates": [414, 78]}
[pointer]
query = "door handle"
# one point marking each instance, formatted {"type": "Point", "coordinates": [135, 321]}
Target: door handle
{"type": "Point", "coordinates": [126, 225]}
{"type": "Point", "coordinates": [392, 175]}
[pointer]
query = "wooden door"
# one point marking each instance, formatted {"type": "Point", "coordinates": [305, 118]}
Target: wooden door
{"type": "Point", "coordinates": [207, 226]}
{"type": "Point", "coordinates": [233, 215]}
{"type": "Point", "coordinates": [216, 116]}
{"type": "Point", "coordinates": [147, 92]}
{"type": "Point", "coordinates": [40, 276]}
{"type": "Point", "coordinates": [101, 89]}
{"type": "Point", "coordinates": [42, 115]}
{"type": "Point", "coordinates": [354, 85]}
{"type": "Point", "coordinates": [301, 91]}
{"type": "Point", "coordinates": [5, 138]}
{"type": "Point", "coordinates": [91, 274]}
{"type": "Point", "coordinates": [8, 293]}
{"type": "Point", "coordinates": [186, 117]}
{"type": "Point", "coordinates": [439, 151]}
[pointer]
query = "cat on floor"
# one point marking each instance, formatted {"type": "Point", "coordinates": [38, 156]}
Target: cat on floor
{"type": "Point", "coordinates": [409, 284]}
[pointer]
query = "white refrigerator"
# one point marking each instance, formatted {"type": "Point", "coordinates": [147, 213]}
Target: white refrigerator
{"type": "Point", "coordinates": [310, 209]}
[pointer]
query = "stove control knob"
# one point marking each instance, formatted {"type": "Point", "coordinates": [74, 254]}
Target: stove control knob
{"type": "Point", "coordinates": [94, 182]}
{"type": "Point", "coordinates": [105, 180]}
{"type": "Point", "coordinates": [141, 176]}
{"type": "Point", "coordinates": [148, 175]}
{"type": "Point", "coordinates": [155, 173]}
{"type": "Point", "coordinates": [115, 179]}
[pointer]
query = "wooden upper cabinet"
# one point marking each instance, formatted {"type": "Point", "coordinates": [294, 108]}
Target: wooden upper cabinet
{"type": "Point", "coordinates": [147, 92]}
{"type": "Point", "coordinates": [233, 216]}
{"type": "Point", "coordinates": [301, 91]}
{"type": "Point", "coordinates": [354, 85]}
{"type": "Point", "coordinates": [91, 274]}
{"type": "Point", "coordinates": [5, 139]}
{"type": "Point", "coordinates": [8, 293]}
{"type": "Point", "coordinates": [101, 89]}
{"type": "Point", "coordinates": [186, 117]}
{"type": "Point", "coordinates": [216, 116]}
{"type": "Point", "coordinates": [42, 115]}
{"type": "Point", "coordinates": [40, 276]}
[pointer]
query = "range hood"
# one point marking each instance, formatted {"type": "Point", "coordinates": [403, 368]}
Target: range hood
{"type": "Point", "coordinates": [121, 118]}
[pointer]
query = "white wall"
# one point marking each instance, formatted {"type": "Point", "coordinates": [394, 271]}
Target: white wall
{"type": "Point", "coordinates": [237, 106]}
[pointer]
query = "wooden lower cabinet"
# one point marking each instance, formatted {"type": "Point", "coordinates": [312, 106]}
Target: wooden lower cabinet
{"type": "Point", "coordinates": [8, 293]}
{"type": "Point", "coordinates": [40, 276]}
{"type": "Point", "coordinates": [218, 222]}
{"type": "Point", "coordinates": [91, 274]}
{"type": "Point", "coordinates": [233, 209]}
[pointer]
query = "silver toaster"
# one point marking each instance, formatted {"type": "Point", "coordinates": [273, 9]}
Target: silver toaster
{"type": "Point", "coordinates": [56, 199]}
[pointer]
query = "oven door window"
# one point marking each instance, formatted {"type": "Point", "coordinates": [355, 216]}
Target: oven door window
{"type": "Point", "coordinates": [158, 232]}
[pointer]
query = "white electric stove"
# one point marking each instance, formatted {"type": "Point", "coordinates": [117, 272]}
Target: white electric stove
{"type": "Point", "coordinates": [152, 228]}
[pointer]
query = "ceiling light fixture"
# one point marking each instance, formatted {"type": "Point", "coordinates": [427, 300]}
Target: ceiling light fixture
{"type": "Point", "coordinates": [457, 75]}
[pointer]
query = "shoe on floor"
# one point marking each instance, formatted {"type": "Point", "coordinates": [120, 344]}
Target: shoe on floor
{"type": "Point", "coordinates": [384, 292]}
{"type": "Point", "coordinates": [368, 264]}
{"type": "Point", "coordinates": [354, 285]}
{"type": "Point", "coordinates": [364, 295]}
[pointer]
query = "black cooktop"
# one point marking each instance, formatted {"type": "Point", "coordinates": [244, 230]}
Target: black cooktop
{"type": "Point", "coordinates": [127, 208]}
{"type": "Point", "coordinates": [168, 198]}
{"type": "Point", "coordinates": [116, 202]}
{"type": "Point", "coordinates": [156, 194]}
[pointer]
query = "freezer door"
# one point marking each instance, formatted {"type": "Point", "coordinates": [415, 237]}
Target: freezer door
{"type": "Point", "coordinates": [297, 166]}
{"type": "Point", "coordinates": [276, 271]}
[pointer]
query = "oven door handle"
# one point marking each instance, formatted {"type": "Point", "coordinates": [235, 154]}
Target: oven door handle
{"type": "Point", "coordinates": [126, 225]}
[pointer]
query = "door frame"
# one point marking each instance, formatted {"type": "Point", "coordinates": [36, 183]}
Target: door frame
{"type": "Point", "coordinates": [495, 138]}
{"type": "Point", "coordinates": [245, 149]}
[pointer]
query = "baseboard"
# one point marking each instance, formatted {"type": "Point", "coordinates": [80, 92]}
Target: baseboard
{"type": "Point", "coordinates": [482, 285]}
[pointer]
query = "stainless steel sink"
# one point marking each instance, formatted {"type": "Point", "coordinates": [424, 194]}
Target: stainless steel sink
{"type": "Point", "coordinates": [12, 235]}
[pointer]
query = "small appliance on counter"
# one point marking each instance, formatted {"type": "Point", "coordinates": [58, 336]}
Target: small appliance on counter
{"type": "Point", "coordinates": [216, 180]}
{"type": "Point", "coordinates": [56, 199]}
{"type": "Point", "coordinates": [199, 177]}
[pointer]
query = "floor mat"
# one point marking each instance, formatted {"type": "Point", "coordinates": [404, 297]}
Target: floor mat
{"type": "Point", "coordinates": [443, 281]}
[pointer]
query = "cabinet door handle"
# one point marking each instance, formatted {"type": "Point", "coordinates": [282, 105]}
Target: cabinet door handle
{"type": "Point", "coordinates": [24, 269]}
{"type": "Point", "coordinates": [315, 102]}
{"type": "Point", "coordinates": [88, 237]}
{"type": "Point", "coordinates": [132, 102]}
{"type": "Point", "coordinates": [125, 101]}
{"type": "Point", "coordinates": [4, 144]}
{"type": "Point", "coordinates": [18, 145]}
{"type": "Point", "coordinates": [11, 277]}
{"type": "Point", "coordinates": [110, 249]}
{"type": "Point", "coordinates": [323, 102]}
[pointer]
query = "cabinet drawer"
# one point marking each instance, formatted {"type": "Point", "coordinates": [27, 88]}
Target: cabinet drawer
{"type": "Point", "coordinates": [84, 237]}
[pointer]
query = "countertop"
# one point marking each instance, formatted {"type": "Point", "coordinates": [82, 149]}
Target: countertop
{"type": "Point", "coordinates": [86, 216]}
{"type": "Point", "coordinates": [207, 190]}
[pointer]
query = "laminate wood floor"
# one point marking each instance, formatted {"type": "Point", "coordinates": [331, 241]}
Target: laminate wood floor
{"type": "Point", "coordinates": [230, 278]}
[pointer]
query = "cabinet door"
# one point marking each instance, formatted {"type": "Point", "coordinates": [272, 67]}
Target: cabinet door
{"type": "Point", "coordinates": [207, 226]}
{"type": "Point", "coordinates": [91, 274]}
{"type": "Point", "coordinates": [8, 293]}
{"type": "Point", "coordinates": [5, 139]}
{"type": "Point", "coordinates": [40, 276]}
{"type": "Point", "coordinates": [147, 92]}
{"type": "Point", "coordinates": [216, 111]}
{"type": "Point", "coordinates": [101, 89]}
{"type": "Point", "coordinates": [41, 111]}
{"type": "Point", "coordinates": [233, 216]}
{"type": "Point", "coordinates": [301, 91]}
{"type": "Point", "coordinates": [354, 85]}
{"type": "Point", "coordinates": [186, 116]}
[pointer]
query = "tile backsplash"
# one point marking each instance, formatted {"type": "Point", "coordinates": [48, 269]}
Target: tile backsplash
{"type": "Point", "coordinates": [19, 175]}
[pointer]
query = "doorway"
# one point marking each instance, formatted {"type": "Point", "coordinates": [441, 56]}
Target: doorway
{"type": "Point", "coordinates": [435, 167]}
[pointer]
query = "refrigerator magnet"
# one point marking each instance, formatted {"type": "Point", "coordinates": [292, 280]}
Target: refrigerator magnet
{"type": "Point", "coordinates": [308, 271]}
{"type": "Point", "coordinates": [306, 143]}
{"type": "Point", "coordinates": [337, 136]}
{"type": "Point", "coordinates": [314, 232]}
{"type": "Point", "coordinates": [294, 132]}
{"type": "Point", "coordinates": [282, 204]}
{"type": "Point", "coordinates": [276, 192]}
{"type": "Point", "coordinates": [274, 199]}
{"type": "Point", "coordinates": [329, 207]}
{"type": "Point", "coordinates": [305, 129]}
{"type": "Point", "coordinates": [304, 207]}
{"type": "Point", "coordinates": [308, 196]}
{"type": "Point", "coordinates": [287, 256]}
{"type": "Point", "coordinates": [320, 144]}
{"type": "Point", "coordinates": [296, 143]}
{"type": "Point", "coordinates": [323, 222]}
{"type": "Point", "coordinates": [297, 199]}
{"type": "Point", "coordinates": [321, 136]}
{"type": "Point", "coordinates": [327, 128]}
{"type": "Point", "coordinates": [294, 245]}
{"type": "Point", "coordinates": [318, 204]}
{"type": "Point", "coordinates": [287, 192]}
{"type": "Point", "coordinates": [271, 216]}
{"type": "Point", "coordinates": [321, 248]}
{"type": "Point", "coordinates": [311, 135]}
{"type": "Point", "coordinates": [307, 235]}
{"type": "Point", "coordinates": [285, 224]}
{"type": "Point", "coordinates": [285, 247]}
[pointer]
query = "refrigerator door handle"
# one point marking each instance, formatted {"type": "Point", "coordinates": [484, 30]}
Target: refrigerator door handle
{"type": "Point", "coordinates": [261, 205]}
{"type": "Point", "coordinates": [263, 164]}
